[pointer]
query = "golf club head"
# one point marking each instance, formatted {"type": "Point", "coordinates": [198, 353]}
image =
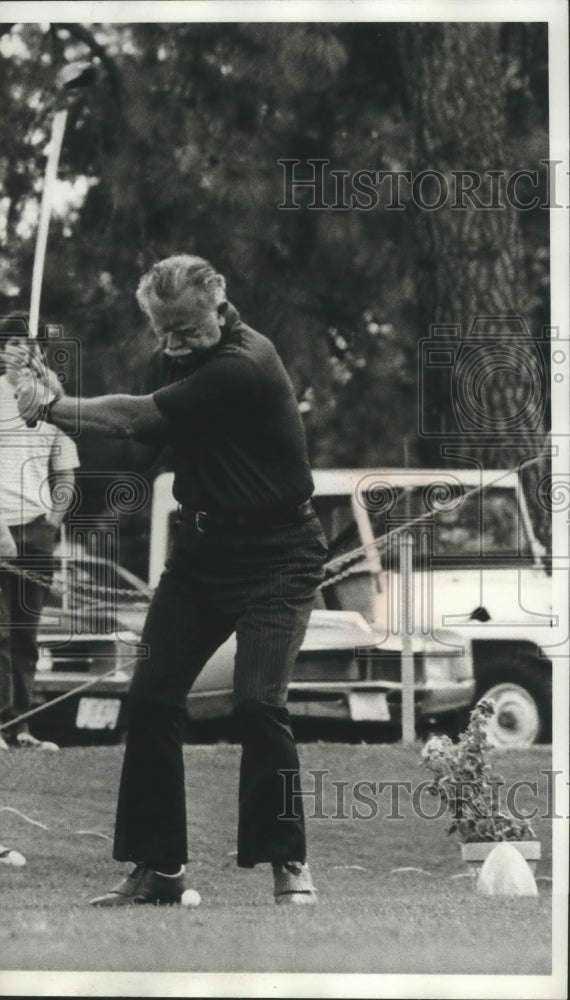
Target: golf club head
{"type": "Point", "coordinates": [74, 75]}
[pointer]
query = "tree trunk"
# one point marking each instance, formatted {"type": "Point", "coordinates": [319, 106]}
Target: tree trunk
{"type": "Point", "coordinates": [483, 384]}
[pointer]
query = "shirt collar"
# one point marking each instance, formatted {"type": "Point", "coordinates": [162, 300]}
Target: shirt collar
{"type": "Point", "coordinates": [232, 318]}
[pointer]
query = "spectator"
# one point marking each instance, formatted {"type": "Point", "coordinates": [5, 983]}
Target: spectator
{"type": "Point", "coordinates": [8, 856]}
{"type": "Point", "coordinates": [7, 551]}
{"type": "Point", "coordinates": [37, 465]}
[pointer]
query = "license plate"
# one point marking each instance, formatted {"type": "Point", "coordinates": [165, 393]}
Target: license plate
{"type": "Point", "coordinates": [98, 713]}
{"type": "Point", "coordinates": [368, 706]}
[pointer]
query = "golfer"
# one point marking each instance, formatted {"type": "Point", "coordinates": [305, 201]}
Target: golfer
{"type": "Point", "coordinates": [247, 557]}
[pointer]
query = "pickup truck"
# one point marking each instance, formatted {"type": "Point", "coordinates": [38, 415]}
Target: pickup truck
{"type": "Point", "coordinates": [478, 569]}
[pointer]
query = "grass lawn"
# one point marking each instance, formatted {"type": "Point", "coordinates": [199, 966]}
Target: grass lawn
{"type": "Point", "coordinates": [370, 918]}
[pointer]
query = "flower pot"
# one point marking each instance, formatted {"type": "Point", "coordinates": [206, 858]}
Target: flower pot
{"type": "Point", "coordinates": [476, 853]}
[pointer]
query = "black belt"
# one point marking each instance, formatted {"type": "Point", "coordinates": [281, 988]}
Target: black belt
{"type": "Point", "coordinates": [269, 517]}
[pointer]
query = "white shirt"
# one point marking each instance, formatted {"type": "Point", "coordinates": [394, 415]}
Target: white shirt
{"type": "Point", "coordinates": [27, 456]}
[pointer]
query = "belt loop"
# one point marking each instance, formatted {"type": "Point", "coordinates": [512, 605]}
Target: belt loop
{"type": "Point", "coordinates": [197, 522]}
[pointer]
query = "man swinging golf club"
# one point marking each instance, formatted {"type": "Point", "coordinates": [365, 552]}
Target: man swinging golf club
{"type": "Point", "coordinates": [247, 557]}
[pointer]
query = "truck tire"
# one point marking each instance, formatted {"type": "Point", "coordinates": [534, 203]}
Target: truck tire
{"type": "Point", "coordinates": [522, 692]}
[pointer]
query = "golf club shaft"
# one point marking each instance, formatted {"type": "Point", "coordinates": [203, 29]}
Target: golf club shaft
{"type": "Point", "coordinates": [57, 133]}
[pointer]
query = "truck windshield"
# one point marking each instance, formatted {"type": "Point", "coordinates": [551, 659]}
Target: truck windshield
{"type": "Point", "coordinates": [454, 526]}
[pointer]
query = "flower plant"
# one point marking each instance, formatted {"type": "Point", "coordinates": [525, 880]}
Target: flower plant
{"type": "Point", "coordinates": [464, 780]}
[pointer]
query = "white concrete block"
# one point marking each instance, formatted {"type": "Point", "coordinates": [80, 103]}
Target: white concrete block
{"type": "Point", "coordinates": [506, 873]}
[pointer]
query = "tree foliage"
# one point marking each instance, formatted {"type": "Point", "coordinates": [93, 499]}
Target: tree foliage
{"type": "Point", "coordinates": [179, 146]}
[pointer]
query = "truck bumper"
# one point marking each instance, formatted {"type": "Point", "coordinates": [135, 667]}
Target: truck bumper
{"type": "Point", "coordinates": [381, 702]}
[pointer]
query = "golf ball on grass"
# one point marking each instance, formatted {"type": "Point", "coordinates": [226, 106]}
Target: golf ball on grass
{"type": "Point", "coordinates": [190, 898]}
{"type": "Point", "coordinates": [10, 857]}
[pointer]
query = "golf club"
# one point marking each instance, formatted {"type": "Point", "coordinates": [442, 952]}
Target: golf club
{"type": "Point", "coordinates": [71, 77]}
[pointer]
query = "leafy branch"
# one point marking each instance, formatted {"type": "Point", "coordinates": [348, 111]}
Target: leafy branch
{"type": "Point", "coordinates": [465, 782]}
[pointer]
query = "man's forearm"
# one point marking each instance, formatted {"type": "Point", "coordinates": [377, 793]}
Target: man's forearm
{"type": "Point", "coordinates": [120, 416]}
{"type": "Point", "coordinates": [105, 414]}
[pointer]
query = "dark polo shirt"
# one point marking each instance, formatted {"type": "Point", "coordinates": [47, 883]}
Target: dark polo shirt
{"type": "Point", "coordinates": [236, 431]}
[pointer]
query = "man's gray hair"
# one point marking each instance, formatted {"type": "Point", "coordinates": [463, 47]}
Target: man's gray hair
{"type": "Point", "coordinates": [168, 278]}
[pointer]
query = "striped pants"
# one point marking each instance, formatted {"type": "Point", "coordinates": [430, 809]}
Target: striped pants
{"type": "Point", "coordinates": [260, 585]}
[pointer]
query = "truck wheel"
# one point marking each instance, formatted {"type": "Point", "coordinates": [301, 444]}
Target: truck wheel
{"type": "Point", "coordinates": [522, 692]}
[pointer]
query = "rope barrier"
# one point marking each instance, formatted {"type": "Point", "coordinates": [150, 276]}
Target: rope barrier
{"type": "Point", "coordinates": [43, 826]}
{"type": "Point", "coordinates": [53, 587]}
{"type": "Point", "coordinates": [384, 540]}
